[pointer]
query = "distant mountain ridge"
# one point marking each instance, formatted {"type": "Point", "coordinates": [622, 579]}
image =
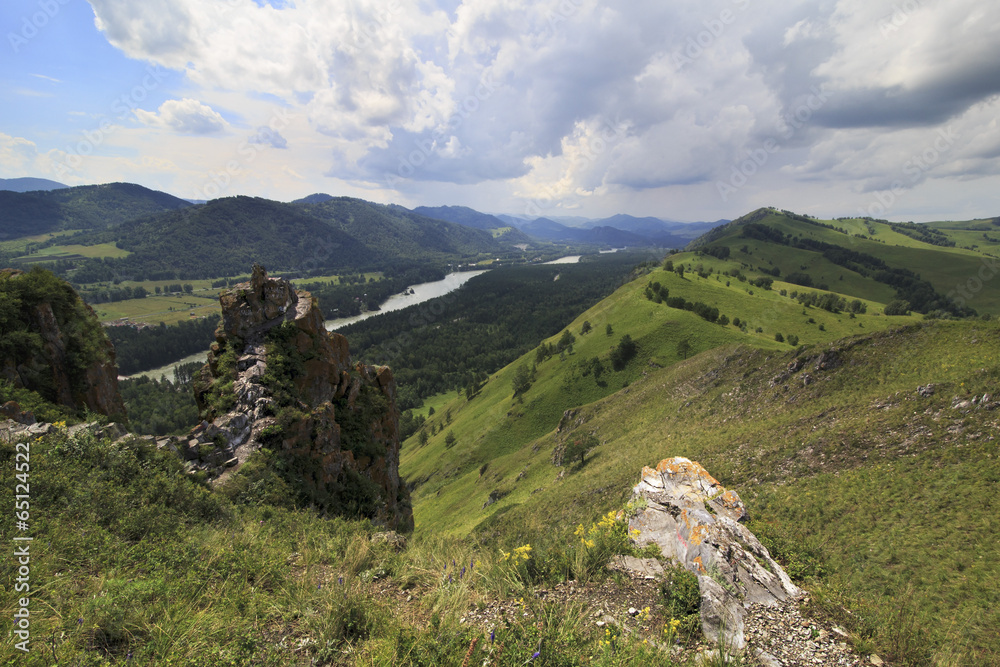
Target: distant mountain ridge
{"type": "Point", "coordinates": [617, 230]}
{"type": "Point", "coordinates": [601, 235]}
{"type": "Point", "coordinates": [468, 217]}
{"type": "Point", "coordinates": [29, 184]}
{"type": "Point", "coordinates": [225, 235]}
{"type": "Point", "coordinates": [80, 207]}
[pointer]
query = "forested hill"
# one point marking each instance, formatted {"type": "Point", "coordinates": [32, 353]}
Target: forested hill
{"type": "Point", "coordinates": [393, 231]}
{"type": "Point", "coordinates": [82, 207]}
{"type": "Point", "coordinates": [29, 184]}
{"type": "Point", "coordinates": [462, 215]}
{"type": "Point", "coordinates": [224, 236]}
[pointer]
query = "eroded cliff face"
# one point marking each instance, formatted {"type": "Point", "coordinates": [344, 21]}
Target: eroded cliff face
{"type": "Point", "coordinates": [56, 346]}
{"type": "Point", "coordinates": [277, 379]}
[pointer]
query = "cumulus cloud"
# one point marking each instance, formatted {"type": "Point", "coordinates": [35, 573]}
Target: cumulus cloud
{"type": "Point", "coordinates": [268, 137]}
{"type": "Point", "coordinates": [17, 155]}
{"type": "Point", "coordinates": [186, 116]}
{"type": "Point", "coordinates": [521, 91]}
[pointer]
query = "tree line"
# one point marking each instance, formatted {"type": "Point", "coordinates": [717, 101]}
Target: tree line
{"type": "Point", "coordinates": [143, 349]}
{"type": "Point", "coordinates": [455, 341]}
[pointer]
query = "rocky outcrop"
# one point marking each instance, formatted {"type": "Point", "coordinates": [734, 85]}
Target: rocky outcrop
{"type": "Point", "coordinates": [277, 378]}
{"type": "Point", "coordinates": [62, 352]}
{"type": "Point", "coordinates": [697, 522]}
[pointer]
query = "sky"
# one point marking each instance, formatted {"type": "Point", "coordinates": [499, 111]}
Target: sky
{"type": "Point", "coordinates": [679, 109]}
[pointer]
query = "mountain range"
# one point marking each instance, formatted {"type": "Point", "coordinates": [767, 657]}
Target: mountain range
{"type": "Point", "coordinates": [166, 236]}
{"type": "Point", "coordinates": [28, 184]}
{"type": "Point", "coordinates": [839, 375]}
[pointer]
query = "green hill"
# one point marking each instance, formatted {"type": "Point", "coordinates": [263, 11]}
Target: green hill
{"type": "Point", "coordinates": [924, 265]}
{"type": "Point", "coordinates": [852, 475]}
{"type": "Point", "coordinates": [463, 215]}
{"type": "Point", "coordinates": [81, 207]}
{"type": "Point", "coordinates": [393, 231]}
{"type": "Point", "coordinates": [222, 237]}
{"type": "Point", "coordinates": [494, 425]}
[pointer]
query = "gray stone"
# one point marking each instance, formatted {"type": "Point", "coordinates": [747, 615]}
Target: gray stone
{"type": "Point", "coordinates": [390, 537]}
{"type": "Point", "coordinates": [697, 522]}
{"type": "Point", "coordinates": [648, 568]}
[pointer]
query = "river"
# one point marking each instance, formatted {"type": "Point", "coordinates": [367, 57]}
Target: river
{"type": "Point", "coordinates": [414, 295]}
{"type": "Point", "coordinates": [569, 259]}
{"type": "Point", "coordinates": [168, 370]}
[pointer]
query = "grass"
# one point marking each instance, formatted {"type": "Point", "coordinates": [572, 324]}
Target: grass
{"type": "Point", "coordinates": [495, 430]}
{"type": "Point", "coordinates": [135, 562]}
{"type": "Point", "coordinates": [155, 309]}
{"type": "Point", "coordinates": [76, 252]}
{"type": "Point", "coordinates": [858, 483]}
{"type": "Point", "coordinates": [19, 244]}
{"type": "Point", "coordinates": [944, 267]}
{"type": "Point", "coordinates": [855, 471]}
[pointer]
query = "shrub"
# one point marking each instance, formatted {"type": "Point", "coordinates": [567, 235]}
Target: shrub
{"type": "Point", "coordinates": [623, 353]}
{"type": "Point", "coordinates": [897, 307]}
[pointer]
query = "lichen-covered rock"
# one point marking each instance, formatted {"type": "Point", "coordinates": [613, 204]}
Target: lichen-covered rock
{"type": "Point", "coordinates": [334, 424]}
{"type": "Point", "coordinates": [700, 524]}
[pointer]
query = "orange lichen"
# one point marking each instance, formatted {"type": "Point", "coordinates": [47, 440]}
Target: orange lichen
{"type": "Point", "coordinates": [701, 567]}
{"type": "Point", "coordinates": [730, 499]}
{"type": "Point", "coordinates": [679, 465]}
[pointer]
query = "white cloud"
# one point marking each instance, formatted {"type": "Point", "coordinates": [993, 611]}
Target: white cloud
{"type": "Point", "coordinates": [17, 155]}
{"type": "Point", "coordinates": [186, 116]}
{"type": "Point", "coordinates": [401, 96]}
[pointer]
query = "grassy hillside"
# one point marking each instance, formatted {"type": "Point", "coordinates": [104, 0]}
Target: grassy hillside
{"type": "Point", "coordinates": [944, 267]}
{"type": "Point", "coordinates": [494, 425]}
{"type": "Point", "coordinates": [862, 485]}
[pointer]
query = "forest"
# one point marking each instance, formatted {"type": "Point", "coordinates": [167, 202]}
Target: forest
{"type": "Point", "coordinates": [140, 350]}
{"type": "Point", "coordinates": [455, 341]}
{"type": "Point", "coordinates": [162, 406]}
